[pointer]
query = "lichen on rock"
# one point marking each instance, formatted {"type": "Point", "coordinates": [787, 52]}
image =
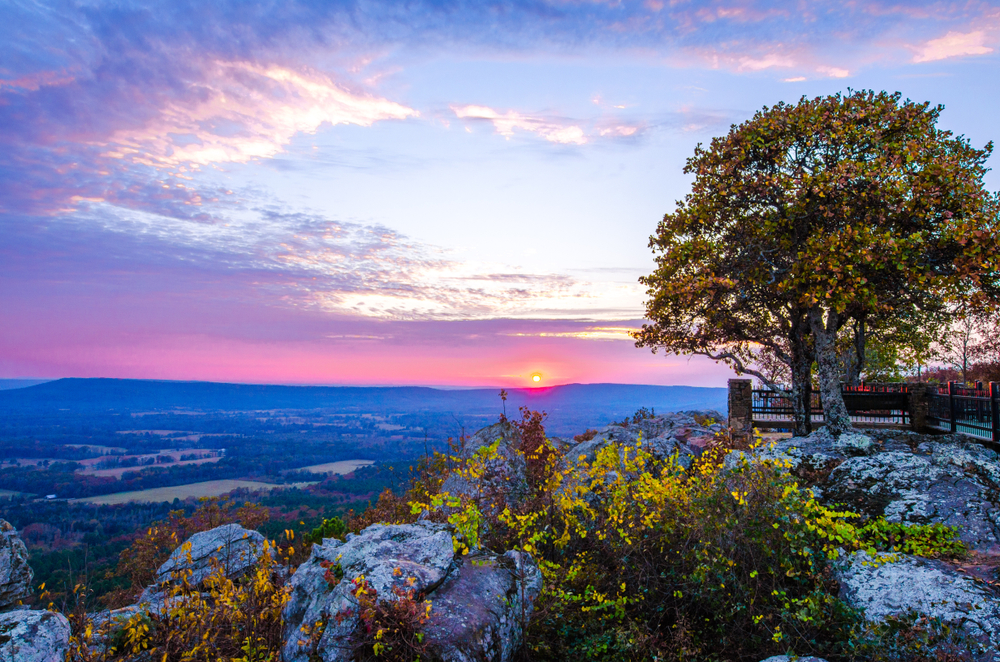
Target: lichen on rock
{"type": "Point", "coordinates": [15, 573]}
{"type": "Point", "coordinates": [28, 635]}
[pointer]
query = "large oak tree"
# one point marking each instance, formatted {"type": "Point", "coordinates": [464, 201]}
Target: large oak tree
{"type": "Point", "coordinates": [810, 215]}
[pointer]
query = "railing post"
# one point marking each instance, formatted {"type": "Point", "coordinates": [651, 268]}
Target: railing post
{"type": "Point", "coordinates": [951, 406]}
{"type": "Point", "coordinates": [741, 407]}
{"type": "Point", "coordinates": [995, 411]}
{"type": "Point", "coordinates": [916, 399]}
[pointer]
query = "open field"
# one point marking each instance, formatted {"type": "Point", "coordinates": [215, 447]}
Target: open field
{"type": "Point", "coordinates": [118, 471]}
{"type": "Point", "coordinates": [342, 467]}
{"type": "Point", "coordinates": [208, 488]}
{"type": "Point", "coordinates": [6, 494]}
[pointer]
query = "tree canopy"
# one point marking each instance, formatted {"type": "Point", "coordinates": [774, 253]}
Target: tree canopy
{"type": "Point", "coordinates": [809, 215]}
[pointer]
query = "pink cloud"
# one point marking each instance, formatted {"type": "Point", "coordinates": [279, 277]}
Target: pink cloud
{"type": "Point", "coordinates": [552, 128]}
{"type": "Point", "coordinates": [953, 44]}
{"type": "Point", "coordinates": [242, 111]}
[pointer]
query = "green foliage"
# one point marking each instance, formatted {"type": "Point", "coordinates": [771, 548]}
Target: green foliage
{"type": "Point", "coordinates": [333, 527]}
{"type": "Point", "coordinates": [927, 540]}
{"type": "Point", "coordinates": [809, 215]}
{"type": "Point", "coordinates": [646, 559]}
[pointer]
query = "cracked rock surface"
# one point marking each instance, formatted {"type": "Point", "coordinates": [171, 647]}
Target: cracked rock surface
{"type": "Point", "coordinates": [907, 477]}
{"type": "Point", "coordinates": [15, 573]}
{"type": "Point", "coordinates": [899, 585]}
{"type": "Point", "coordinates": [480, 603]}
{"type": "Point", "coordinates": [28, 635]}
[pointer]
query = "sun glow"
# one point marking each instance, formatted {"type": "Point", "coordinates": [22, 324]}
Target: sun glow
{"type": "Point", "coordinates": [536, 378]}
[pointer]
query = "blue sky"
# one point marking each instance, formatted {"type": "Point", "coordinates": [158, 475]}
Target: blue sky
{"type": "Point", "coordinates": [428, 192]}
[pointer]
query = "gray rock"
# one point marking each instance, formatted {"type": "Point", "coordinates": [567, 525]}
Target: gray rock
{"type": "Point", "coordinates": [477, 600]}
{"type": "Point", "coordinates": [787, 658]}
{"type": "Point", "coordinates": [33, 636]}
{"type": "Point", "coordinates": [954, 483]}
{"type": "Point", "coordinates": [15, 573]}
{"type": "Point", "coordinates": [685, 433]}
{"type": "Point", "coordinates": [482, 609]}
{"type": "Point", "coordinates": [905, 477]}
{"type": "Point", "coordinates": [900, 585]}
{"type": "Point", "coordinates": [231, 546]}
{"type": "Point", "coordinates": [236, 549]}
{"type": "Point", "coordinates": [417, 556]}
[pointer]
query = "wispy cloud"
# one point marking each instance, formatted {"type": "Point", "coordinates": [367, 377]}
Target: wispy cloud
{"type": "Point", "coordinates": [603, 333]}
{"type": "Point", "coordinates": [953, 44]}
{"type": "Point", "coordinates": [241, 111]}
{"type": "Point", "coordinates": [553, 128]}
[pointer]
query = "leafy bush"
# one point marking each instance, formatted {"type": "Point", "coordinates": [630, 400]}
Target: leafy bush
{"type": "Point", "coordinates": [928, 540]}
{"type": "Point", "coordinates": [333, 527]}
{"type": "Point", "coordinates": [390, 629]}
{"type": "Point", "coordinates": [221, 618]}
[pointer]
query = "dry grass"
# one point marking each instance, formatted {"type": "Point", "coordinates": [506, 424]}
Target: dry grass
{"type": "Point", "coordinates": [208, 488]}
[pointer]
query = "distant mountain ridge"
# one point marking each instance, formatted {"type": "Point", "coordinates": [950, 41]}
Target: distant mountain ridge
{"type": "Point", "coordinates": [134, 395]}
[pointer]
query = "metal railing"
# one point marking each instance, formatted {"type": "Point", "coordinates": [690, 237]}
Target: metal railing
{"type": "Point", "coordinates": [972, 410]}
{"type": "Point", "coordinates": [867, 404]}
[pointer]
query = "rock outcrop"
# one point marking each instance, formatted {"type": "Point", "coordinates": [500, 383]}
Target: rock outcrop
{"type": "Point", "coordinates": [479, 604]}
{"type": "Point", "coordinates": [28, 635]}
{"type": "Point", "coordinates": [235, 549]}
{"type": "Point", "coordinates": [15, 573]}
{"type": "Point", "coordinates": [687, 433]}
{"type": "Point", "coordinates": [907, 477]}
{"type": "Point", "coordinates": [901, 585]}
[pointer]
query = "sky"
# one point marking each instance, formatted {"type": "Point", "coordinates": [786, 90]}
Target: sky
{"type": "Point", "coordinates": [440, 193]}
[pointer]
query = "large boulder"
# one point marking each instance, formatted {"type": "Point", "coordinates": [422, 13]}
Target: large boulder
{"type": "Point", "coordinates": [33, 636]}
{"type": "Point", "coordinates": [15, 573]}
{"type": "Point", "coordinates": [900, 585]}
{"type": "Point", "coordinates": [235, 549]}
{"type": "Point", "coordinates": [479, 603]}
{"type": "Point", "coordinates": [953, 482]}
{"type": "Point", "coordinates": [905, 477]}
{"type": "Point", "coordinates": [482, 608]}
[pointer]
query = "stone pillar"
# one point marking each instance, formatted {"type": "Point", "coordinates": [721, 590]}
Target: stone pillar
{"type": "Point", "coordinates": [741, 407]}
{"type": "Point", "coordinates": [917, 403]}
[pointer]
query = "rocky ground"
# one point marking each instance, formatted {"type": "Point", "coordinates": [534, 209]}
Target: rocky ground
{"type": "Point", "coordinates": [482, 601]}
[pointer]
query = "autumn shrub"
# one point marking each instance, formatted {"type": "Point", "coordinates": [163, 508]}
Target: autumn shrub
{"type": "Point", "coordinates": [237, 619]}
{"type": "Point", "coordinates": [536, 448]}
{"type": "Point", "coordinates": [389, 630]}
{"type": "Point", "coordinates": [139, 562]}
{"type": "Point", "coordinates": [725, 558]}
{"type": "Point", "coordinates": [655, 560]}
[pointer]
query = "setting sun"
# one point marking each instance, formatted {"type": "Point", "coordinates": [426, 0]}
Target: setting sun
{"type": "Point", "coordinates": [536, 378]}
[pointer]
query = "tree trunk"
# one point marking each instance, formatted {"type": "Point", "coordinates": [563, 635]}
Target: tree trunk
{"type": "Point", "coordinates": [860, 341]}
{"type": "Point", "coordinates": [825, 335]}
{"type": "Point", "coordinates": [801, 367]}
